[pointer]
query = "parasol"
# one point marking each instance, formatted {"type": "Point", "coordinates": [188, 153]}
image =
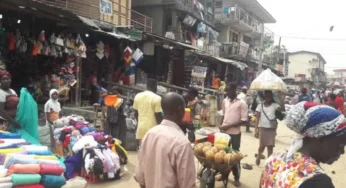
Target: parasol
{"type": "Point", "coordinates": [267, 80]}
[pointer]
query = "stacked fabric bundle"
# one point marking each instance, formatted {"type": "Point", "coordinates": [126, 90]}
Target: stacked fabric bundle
{"type": "Point", "coordinates": [28, 166]}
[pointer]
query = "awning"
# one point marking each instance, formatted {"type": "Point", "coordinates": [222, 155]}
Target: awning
{"type": "Point", "coordinates": [117, 35]}
{"type": "Point", "coordinates": [173, 42]}
{"type": "Point", "coordinates": [238, 64]}
{"type": "Point", "coordinates": [235, 63]}
{"type": "Point", "coordinates": [89, 22]}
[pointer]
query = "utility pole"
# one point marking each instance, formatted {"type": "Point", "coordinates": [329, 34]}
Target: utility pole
{"type": "Point", "coordinates": [284, 64]}
{"type": "Point", "coordinates": [260, 63]}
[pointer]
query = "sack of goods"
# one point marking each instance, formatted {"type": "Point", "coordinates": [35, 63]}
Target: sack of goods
{"type": "Point", "coordinates": [267, 80]}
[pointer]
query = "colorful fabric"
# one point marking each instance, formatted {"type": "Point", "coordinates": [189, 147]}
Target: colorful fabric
{"type": "Point", "coordinates": [24, 169]}
{"type": "Point", "coordinates": [309, 119]}
{"type": "Point", "coordinates": [282, 171]}
{"type": "Point", "coordinates": [53, 181]}
{"type": "Point", "coordinates": [25, 179]}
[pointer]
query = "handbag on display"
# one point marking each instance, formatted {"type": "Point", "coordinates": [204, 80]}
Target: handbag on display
{"type": "Point", "coordinates": [59, 41]}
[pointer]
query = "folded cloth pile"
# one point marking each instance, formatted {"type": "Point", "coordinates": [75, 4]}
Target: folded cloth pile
{"type": "Point", "coordinates": [28, 166]}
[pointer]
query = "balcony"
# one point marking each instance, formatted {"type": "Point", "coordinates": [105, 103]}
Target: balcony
{"type": "Point", "coordinates": [122, 15]}
{"type": "Point", "coordinates": [197, 8]}
{"type": "Point", "coordinates": [240, 19]}
{"type": "Point", "coordinates": [229, 49]}
{"type": "Point", "coordinates": [268, 35]}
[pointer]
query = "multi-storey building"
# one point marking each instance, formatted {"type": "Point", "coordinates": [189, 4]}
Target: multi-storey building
{"type": "Point", "coordinates": [242, 29]}
{"type": "Point", "coordinates": [117, 13]}
{"type": "Point", "coordinates": [307, 64]}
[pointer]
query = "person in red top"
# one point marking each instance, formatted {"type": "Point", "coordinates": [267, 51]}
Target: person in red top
{"type": "Point", "coordinates": [331, 101]}
{"type": "Point", "coordinates": [340, 102]}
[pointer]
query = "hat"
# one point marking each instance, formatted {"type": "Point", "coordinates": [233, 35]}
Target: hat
{"type": "Point", "coordinates": [244, 87]}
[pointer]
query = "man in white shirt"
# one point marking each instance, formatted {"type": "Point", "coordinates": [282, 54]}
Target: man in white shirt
{"type": "Point", "coordinates": [242, 94]}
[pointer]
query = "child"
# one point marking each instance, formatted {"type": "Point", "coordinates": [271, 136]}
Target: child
{"type": "Point", "coordinates": [52, 107]}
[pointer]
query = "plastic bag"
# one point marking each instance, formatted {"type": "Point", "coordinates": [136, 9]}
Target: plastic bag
{"type": "Point", "coordinates": [27, 116]}
{"type": "Point", "coordinates": [268, 81]}
{"type": "Point", "coordinates": [221, 139]}
{"type": "Point", "coordinates": [76, 182]}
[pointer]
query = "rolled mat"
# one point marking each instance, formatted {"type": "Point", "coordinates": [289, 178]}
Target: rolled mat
{"type": "Point", "coordinates": [40, 153]}
{"type": "Point", "coordinates": [51, 170]}
{"type": "Point", "coordinates": [53, 181]}
{"type": "Point", "coordinates": [24, 169]}
{"type": "Point", "coordinates": [18, 160]}
{"type": "Point", "coordinates": [33, 148]}
{"type": "Point", "coordinates": [10, 135]}
{"type": "Point", "coordinates": [25, 179]}
{"type": "Point", "coordinates": [29, 186]}
{"type": "Point", "coordinates": [12, 150]}
{"type": "Point", "coordinates": [6, 185]}
{"type": "Point", "coordinates": [5, 180]}
{"type": "Point", "coordinates": [46, 157]}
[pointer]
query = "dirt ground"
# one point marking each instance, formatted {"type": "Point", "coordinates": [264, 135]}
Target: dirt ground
{"type": "Point", "coordinates": [249, 178]}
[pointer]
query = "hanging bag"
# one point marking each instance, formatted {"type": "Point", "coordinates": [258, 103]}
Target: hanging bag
{"type": "Point", "coordinates": [273, 122]}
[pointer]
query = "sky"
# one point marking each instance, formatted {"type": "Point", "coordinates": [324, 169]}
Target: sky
{"type": "Point", "coordinates": [311, 20]}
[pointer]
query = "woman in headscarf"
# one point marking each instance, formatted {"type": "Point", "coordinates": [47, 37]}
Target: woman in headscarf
{"type": "Point", "coordinates": [52, 107]}
{"type": "Point", "coordinates": [321, 139]}
{"type": "Point", "coordinates": [8, 102]}
{"type": "Point", "coordinates": [266, 125]}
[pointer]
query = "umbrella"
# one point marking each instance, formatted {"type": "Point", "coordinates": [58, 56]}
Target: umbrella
{"type": "Point", "coordinates": [267, 80]}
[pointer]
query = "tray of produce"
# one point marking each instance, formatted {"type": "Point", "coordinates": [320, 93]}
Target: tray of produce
{"type": "Point", "coordinates": [217, 157]}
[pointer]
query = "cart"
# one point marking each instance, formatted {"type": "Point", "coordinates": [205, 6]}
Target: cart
{"type": "Point", "coordinates": [210, 169]}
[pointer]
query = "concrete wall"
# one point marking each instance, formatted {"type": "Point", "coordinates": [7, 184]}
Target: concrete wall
{"type": "Point", "coordinates": [302, 64]}
{"type": "Point", "coordinates": [136, 3]}
{"type": "Point", "coordinates": [158, 16]}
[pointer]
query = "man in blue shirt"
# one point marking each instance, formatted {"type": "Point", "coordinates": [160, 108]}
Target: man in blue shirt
{"type": "Point", "coordinates": [304, 96]}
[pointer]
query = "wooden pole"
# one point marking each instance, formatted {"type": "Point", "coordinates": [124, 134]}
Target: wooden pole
{"type": "Point", "coordinates": [79, 81]}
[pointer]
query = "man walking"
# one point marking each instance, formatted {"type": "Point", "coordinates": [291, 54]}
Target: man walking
{"type": "Point", "coordinates": [235, 114]}
{"type": "Point", "coordinates": [304, 95]}
{"type": "Point", "coordinates": [147, 107]}
{"type": "Point", "coordinates": [166, 158]}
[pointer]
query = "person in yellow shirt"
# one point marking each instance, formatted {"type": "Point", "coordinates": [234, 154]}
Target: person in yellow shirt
{"type": "Point", "coordinates": [147, 107]}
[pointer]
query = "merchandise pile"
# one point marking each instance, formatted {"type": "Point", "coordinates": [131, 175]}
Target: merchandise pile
{"type": "Point", "coordinates": [91, 154]}
{"type": "Point", "coordinates": [23, 165]}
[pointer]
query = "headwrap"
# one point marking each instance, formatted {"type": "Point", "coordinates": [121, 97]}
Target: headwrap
{"type": "Point", "coordinates": [51, 103]}
{"type": "Point", "coordinates": [303, 90]}
{"type": "Point", "coordinates": [309, 119]}
{"type": "Point", "coordinates": [3, 73]}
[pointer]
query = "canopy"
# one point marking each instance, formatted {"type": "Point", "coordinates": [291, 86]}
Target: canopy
{"type": "Point", "coordinates": [267, 80]}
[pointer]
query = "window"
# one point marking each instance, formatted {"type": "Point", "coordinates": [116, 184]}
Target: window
{"type": "Point", "coordinates": [218, 4]}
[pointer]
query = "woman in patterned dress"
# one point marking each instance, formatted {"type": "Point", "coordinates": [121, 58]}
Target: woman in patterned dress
{"type": "Point", "coordinates": [321, 139]}
{"type": "Point", "coordinates": [8, 102]}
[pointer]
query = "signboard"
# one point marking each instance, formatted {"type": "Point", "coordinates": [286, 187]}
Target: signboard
{"type": "Point", "coordinates": [106, 7]}
{"type": "Point", "coordinates": [300, 78]}
{"type": "Point", "coordinates": [198, 71]}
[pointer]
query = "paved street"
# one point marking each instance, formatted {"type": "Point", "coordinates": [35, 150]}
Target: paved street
{"type": "Point", "coordinates": [249, 178]}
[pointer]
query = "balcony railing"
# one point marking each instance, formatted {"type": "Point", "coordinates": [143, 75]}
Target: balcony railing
{"type": "Point", "coordinates": [237, 13]}
{"type": "Point", "coordinates": [229, 49]}
{"type": "Point", "coordinates": [268, 34]}
{"type": "Point", "coordinates": [236, 50]}
{"type": "Point", "coordinates": [253, 54]}
{"type": "Point", "coordinates": [122, 15]}
{"type": "Point", "coordinates": [196, 8]}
